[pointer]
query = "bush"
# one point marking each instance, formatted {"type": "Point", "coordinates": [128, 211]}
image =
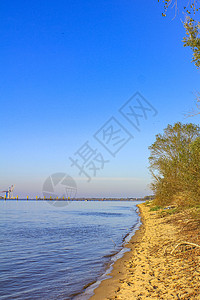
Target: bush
{"type": "Point", "coordinates": [155, 208]}
{"type": "Point", "coordinates": [175, 165]}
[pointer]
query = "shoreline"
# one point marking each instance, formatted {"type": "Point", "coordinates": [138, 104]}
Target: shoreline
{"type": "Point", "coordinates": [119, 255]}
{"type": "Point", "coordinates": [149, 270]}
{"type": "Point", "coordinates": [108, 287]}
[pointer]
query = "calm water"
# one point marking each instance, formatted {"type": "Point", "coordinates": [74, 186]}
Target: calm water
{"type": "Point", "coordinates": [52, 253]}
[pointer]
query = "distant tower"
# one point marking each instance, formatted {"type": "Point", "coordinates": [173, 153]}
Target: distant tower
{"type": "Point", "coordinates": [11, 189]}
{"type": "Point", "coordinates": [9, 192]}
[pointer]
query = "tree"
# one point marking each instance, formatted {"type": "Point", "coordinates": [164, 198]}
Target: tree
{"type": "Point", "coordinates": [192, 38]}
{"type": "Point", "coordinates": [175, 163]}
{"type": "Point", "coordinates": [190, 9]}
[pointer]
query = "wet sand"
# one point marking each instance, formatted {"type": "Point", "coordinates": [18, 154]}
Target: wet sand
{"type": "Point", "coordinates": [149, 270]}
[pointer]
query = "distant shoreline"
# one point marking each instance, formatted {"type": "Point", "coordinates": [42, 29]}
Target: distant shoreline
{"type": "Point", "coordinates": [76, 199]}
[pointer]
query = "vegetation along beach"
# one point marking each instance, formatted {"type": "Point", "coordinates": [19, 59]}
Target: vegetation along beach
{"type": "Point", "coordinates": [164, 261]}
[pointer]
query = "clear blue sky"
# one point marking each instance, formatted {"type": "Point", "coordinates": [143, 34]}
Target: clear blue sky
{"type": "Point", "coordinates": [66, 68]}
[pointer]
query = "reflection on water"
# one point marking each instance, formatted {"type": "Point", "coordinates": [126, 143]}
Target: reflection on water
{"type": "Point", "coordinates": [52, 253]}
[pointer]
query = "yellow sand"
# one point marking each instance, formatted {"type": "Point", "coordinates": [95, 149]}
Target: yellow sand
{"type": "Point", "coordinates": [149, 271]}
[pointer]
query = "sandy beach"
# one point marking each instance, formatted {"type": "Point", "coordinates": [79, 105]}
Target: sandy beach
{"type": "Point", "coordinates": [151, 270]}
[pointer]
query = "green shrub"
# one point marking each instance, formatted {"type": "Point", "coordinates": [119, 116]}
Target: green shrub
{"type": "Point", "coordinates": [155, 208]}
{"type": "Point", "coordinates": [175, 166]}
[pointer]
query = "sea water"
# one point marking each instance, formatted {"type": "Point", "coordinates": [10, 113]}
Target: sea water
{"type": "Point", "coordinates": [49, 252]}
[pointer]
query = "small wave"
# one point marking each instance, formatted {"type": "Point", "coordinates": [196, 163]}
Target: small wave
{"type": "Point", "coordinates": [102, 214]}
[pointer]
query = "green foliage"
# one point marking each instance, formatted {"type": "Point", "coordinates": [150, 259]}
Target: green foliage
{"type": "Point", "coordinates": [168, 212]}
{"type": "Point", "coordinates": [192, 38]}
{"type": "Point", "coordinates": [175, 165]}
{"type": "Point", "coordinates": [190, 9]}
{"type": "Point", "coordinates": [155, 208]}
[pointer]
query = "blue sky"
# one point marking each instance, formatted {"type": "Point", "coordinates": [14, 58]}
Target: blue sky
{"type": "Point", "coordinates": [67, 67]}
